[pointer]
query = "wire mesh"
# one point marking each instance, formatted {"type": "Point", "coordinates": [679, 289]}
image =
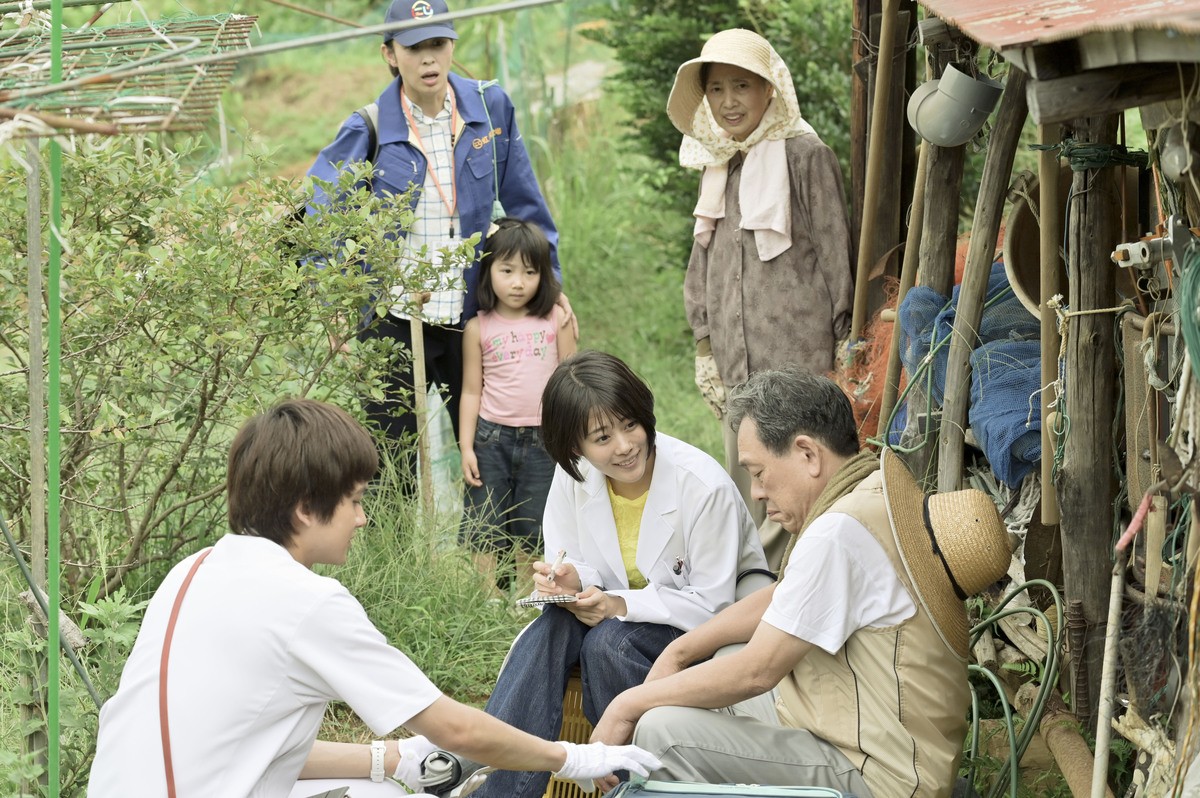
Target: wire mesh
{"type": "Point", "coordinates": [102, 82]}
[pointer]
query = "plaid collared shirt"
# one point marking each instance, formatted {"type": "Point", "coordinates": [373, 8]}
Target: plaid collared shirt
{"type": "Point", "coordinates": [434, 222]}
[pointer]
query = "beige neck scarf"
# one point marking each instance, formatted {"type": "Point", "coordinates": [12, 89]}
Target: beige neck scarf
{"type": "Point", "coordinates": [764, 195]}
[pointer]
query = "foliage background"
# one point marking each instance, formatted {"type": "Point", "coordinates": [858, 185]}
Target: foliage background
{"type": "Point", "coordinates": [184, 310]}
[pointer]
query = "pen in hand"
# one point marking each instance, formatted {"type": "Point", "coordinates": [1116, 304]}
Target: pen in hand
{"type": "Point", "coordinates": [558, 561]}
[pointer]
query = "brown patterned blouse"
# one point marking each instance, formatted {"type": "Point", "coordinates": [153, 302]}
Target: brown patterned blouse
{"type": "Point", "coordinates": [793, 309]}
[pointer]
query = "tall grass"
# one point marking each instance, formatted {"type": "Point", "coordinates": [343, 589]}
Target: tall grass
{"type": "Point", "coordinates": [613, 229]}
{"type": "Point", "coordinates": [425, 595]}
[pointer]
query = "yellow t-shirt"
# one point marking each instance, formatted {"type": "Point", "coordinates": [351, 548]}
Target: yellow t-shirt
{"type": "Point", "coordinates": [628, 515]}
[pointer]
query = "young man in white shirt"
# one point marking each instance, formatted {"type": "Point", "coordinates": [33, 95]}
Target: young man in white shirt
{"type": "Point", "coordinates": [243, 645]}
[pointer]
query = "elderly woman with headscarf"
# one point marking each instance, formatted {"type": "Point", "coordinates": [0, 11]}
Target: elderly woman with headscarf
{"type": "Point", "coordinates": [769, 281]}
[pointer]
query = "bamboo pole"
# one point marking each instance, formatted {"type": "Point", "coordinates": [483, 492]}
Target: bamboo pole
{"type": "Point", "coordinates": [35, 679]}
{"type": "Point", "coordinates": [315, 13]}
{"type": "Point", "coordinates": [908, 278]}
{"type": "Point", "coordinates": [993, 187]}
{"type": "Point", "coordinates": [37, 374]}
{"type": "Point", "coordinates": [1050, 225]}
{"type": "Point", "coordinates": [875, 158]}
{"type": "Point", "coordinates": [1108, 679]}
{"type": "Point", "coordinates": [59, 121]}
{"type": "Point", "coordinates": [420, 389]}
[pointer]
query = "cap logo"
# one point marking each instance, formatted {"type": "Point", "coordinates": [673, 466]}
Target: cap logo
{"type": "Point", "coordinates": [421, 9]}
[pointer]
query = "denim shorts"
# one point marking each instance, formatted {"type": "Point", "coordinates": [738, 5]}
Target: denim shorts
{"type": "Point", "coordinates": [516, 473]}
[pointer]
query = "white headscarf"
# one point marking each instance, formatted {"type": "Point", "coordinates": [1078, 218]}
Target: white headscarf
{"type": "Point", "coordinates": [765, 192]}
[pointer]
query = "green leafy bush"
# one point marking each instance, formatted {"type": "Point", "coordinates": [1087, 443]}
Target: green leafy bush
{"type": "Point", "coordinates": [110, 625]}
{"type": "Point", "coordinates": [186, 308]}
{"type": "Point", "coordinates": [184, 312]}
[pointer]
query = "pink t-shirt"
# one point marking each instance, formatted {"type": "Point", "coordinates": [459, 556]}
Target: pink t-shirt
{"type": "Point", "coordinates": [518, 358]}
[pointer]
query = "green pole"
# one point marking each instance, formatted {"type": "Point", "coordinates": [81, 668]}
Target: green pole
{"type": "Point", "coordinates": [53, 466]}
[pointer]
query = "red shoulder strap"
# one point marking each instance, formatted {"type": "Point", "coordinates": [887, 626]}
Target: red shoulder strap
{"type": "Point", "coordinates": [162, 674]}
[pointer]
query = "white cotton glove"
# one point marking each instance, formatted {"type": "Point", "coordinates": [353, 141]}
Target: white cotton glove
{"type": "Point", "coordinates": [596, 760]}
{"type": "Point", "coordinates": [412, 754]}
{"type": "Point", "coordinates": [708, 380]}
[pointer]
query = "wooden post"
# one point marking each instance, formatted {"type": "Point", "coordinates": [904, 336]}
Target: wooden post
{"type": "Point", "coordinates": [892, 194]}
{"type": "Point", "coordinates": [35, 679]}
{"type": "Point", "coordinates": [875, 158]}
{"type": "Point", "coordinates": [939, 228]}
{"type": "Point", "coordinates": [859, 100]}
{"type": "Point", "coordinates": [993, 187]}
{"type": "Point", "coordinates": [420, 388]}
{"type": "Point", "coordinates": [939, 236]}
{"type": "Point", "coordinates": [908, 276]}
{"type": "Point", "coordinates": [1086, 486]}
{"type": "Point", "coordinates": [1050, 224]}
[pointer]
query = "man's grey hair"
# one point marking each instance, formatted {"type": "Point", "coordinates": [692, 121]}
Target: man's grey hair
{"type": "Point", "coordinates": [789, 402]}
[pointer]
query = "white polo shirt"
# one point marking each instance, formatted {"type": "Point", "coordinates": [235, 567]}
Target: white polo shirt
{"type": "Point", "coordinates": [838, 580]}
{"type": "Point", "coordinates": [261, 645]}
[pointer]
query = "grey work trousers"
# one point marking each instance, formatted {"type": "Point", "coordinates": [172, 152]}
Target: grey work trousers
{"type": "Point", "coordinates": [718, 747]}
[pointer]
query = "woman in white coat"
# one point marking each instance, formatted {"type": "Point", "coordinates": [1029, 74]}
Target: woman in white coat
{"type": "Point", "coordinates": [653, 534]}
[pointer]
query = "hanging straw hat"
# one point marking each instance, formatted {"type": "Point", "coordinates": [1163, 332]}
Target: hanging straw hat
{"type": "Point", "coordinates": [953, 545]}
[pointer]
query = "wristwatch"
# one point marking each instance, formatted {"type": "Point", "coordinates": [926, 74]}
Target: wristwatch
{"type": "Point", "coordinates": [378, 749]}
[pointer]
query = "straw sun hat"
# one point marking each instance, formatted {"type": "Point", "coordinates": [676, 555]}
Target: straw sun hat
{"type": "Point", "coordinates": [953, 546]}
{"type": "Point", "coordinates": [742, 48]}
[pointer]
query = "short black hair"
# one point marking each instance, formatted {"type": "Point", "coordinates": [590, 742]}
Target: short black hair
{"type": "Point", "coordinates": [525, 240]}
{"type": "Point", "coordinates": [300, 452]}
{"type": "Point", "coordinates": [785, 403]}
{"type": "Point", "coordinates": [584, 385]}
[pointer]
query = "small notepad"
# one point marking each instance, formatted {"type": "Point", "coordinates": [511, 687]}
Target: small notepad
{"type": "Point", "coordinates": [538, 600]}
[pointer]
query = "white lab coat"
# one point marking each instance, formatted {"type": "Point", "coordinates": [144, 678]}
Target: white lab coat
{"type": "Point", "coordinates": [696, 536]}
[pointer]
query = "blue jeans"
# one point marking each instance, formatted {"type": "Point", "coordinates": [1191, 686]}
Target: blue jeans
{"type": "Point", "coordinates": [612, 656]}
{"type": "Point", "coordinates": [507, 509]}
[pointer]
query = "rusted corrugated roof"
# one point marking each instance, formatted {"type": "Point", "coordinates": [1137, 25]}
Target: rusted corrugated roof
{"type": "Point", "coordinates": [1005, 24]}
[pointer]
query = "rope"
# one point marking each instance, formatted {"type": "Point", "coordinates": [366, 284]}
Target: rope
{"type": "Point", "coordinates": [1084, 156]}
{"type": "Point", "coordinates": [1062, 428]}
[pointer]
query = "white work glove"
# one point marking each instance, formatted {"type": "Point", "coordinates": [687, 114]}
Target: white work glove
{"type": "Point", "coordinates": [412, 754]}
{"type": "Point", "coordinates": [596, 760]}
{"type": "Point", "coordinates": [708, 380]}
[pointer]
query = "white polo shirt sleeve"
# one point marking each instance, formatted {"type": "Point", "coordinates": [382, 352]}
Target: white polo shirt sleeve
{"type": "Point", "coordinates": [340, 654]}
{"type": "Point", "coordinates": [838, 580]}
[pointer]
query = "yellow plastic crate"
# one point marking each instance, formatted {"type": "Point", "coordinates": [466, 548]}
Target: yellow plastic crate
{"type": "Point", "coordinates": [575, 729]}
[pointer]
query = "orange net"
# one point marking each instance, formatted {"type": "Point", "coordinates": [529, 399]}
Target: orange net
{"type": "Point", "coordinates": [862, 377]}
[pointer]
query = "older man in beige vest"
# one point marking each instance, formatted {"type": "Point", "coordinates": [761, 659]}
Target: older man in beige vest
{"type": "Point", "coordinates": [865, 636]}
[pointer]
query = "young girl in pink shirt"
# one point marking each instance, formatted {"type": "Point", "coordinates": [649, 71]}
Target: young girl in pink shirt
{"type": "Point", "coordinates": [509, 351]}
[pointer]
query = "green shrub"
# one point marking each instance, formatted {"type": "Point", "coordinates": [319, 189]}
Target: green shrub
{"type": "Point", "coordinates": [184, 312]}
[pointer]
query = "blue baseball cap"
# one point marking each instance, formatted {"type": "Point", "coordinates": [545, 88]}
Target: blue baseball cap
{"type": "Point", "coordinates": [401, 10]}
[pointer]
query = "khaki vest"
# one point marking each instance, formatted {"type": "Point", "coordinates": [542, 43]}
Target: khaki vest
{"type": "Point", "coordinates": [893, 700]}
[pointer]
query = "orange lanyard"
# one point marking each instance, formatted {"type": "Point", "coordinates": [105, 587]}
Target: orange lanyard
{"type": "Point", "coordinates": [451, 203]}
